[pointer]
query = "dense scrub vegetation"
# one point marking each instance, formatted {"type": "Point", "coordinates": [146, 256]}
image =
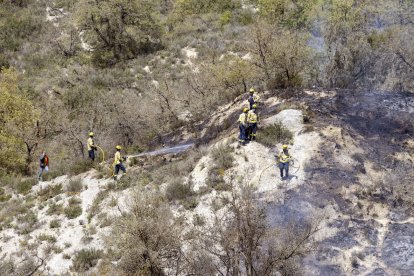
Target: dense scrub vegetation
{"type": "Point", "coordinates": [126, 69]}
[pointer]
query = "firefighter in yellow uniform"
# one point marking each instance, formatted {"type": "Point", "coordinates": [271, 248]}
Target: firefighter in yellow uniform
{"type": "Point", "coordinates": [91, 147]}
{"type": "Point", "coordinates": [253, 98]}
{"type": "Point", "coordinates": [284, 159]}
{"type": "Point", "coordinates": [118, 161]}
{"type": "Point", "coordinates": [243, 126]}
{"type": "Point", "coordinates": [252, 119]}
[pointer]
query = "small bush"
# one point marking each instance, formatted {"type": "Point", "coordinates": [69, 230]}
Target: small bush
{"type": "Point", "coordinates": [74, 186]}
{"type": "Point", "coordinates": [274, 134]}
{"type": "Point", "coordinates": [86, 259]}
{"type": "Point", "coordinates": [358, 157]}
{"type": "Point", "coordinates": [54, 209]}
{"type": "Point", "coordinates": [104, 220]}
{"type": "Point", "coordinates": [74, 200]}
{"type": "Point", "coordinates": [134, 161]}
{"type": "Point", "coordinates": [24, 186]}
{"type": "Point", "coordinates": [28, 220]}
{"type": "Point", "coordinates": [54, 223]}
{"type": "Point", "coordinates": [55, 172]}
{"type": "Point", "coordinates": [81, 166]}
{"type": "Point", "coordinates": [222, 156]}
{"type": "Point", "coordinates": [49, 192]}
{"type": "Point", "coordinates": [66, 256]}
{"type": "Point", "coordinates": [3, 196]}
{"type": "Point", "coordinates": [95, 208]}
{"type": "Point", "coordinates": [73, 210]}
{"type": "Point", "coordinates": [46, 237]}
{"type": "Point", "coordinates": [177, 191]}
{"type": "Point", "coordinates": [190, 203]}
{"type": "Point", "coordinates": [52, 248]}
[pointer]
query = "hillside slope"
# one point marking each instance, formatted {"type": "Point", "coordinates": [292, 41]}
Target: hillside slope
{"type": "Point", "coordinates": [352, 176]}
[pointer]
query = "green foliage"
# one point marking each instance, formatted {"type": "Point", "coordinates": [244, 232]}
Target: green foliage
{"type": "Point", "coordinates": [54, 223]}
{"type": "Point", "coordinates": [80, 166]}
{"type": "Point", "coordinates": [188, 7]}
{"type": "Point", "coordinates": [153, 233]}
{"type": "Point", "coordinates": [274, 134]}
{"type": "Point", "coordinates": [74, 209]}
{"type": "Point", "coordinates": [46, 237]}
{"type": "Point", "coordinates": [290, 13]}
{"type": "Point", "coordinates": [49, 191]}
{"type": "Point", "coordinates": [86, 259]}
{"type": "Point", "coordinates": [17, 120]}
{"type": "Point", "coordinates": [24, 186]}
{"type": "Point", "coordinates": [222, 156]}
{"type": "Point", "coordinates": [95, 208]}
{"type": "Point", "coordinates": [119, 29]}
{"type": "Point", "coordinates": [222, 160]}
{"type": "Point", "coordinates": [225, 18]}
{"type": "Point", "coordinates": [17, 24]}
{"type": "Point", "coordinates": [74, 186]}
{"type": "Point", "coordinates": [177, 190]}
{"type": "Point", "coordinates": [54, 209]}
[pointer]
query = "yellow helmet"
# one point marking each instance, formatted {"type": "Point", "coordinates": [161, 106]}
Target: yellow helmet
{"type": "Point", "coordinates": [91, 134]}
{"type": "Point", "coordinates": [254, 105]}
{"type": "Point", "coordinates": [285, 146]}
{"type": "Point", "coordinates": [245, 109]}
{"type": "Point", "coordinates": [252, 90]}
{"type": "Point", "coordinates": [118, 147]}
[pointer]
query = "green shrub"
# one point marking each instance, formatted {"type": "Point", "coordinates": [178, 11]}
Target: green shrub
{"type": "Point", "coordinates": [81, 166]}
{"type": "Point", "coordinates": [66, 256]}
{"type": "Point", "coordinates": [9, 180]}
{"type": "Point", "coordinates": [46, 237]}
{"type": "Point", "coordinates": [54, 209]}
{"type": "Point", "coordinates": [95, 208]}
{"type": "Point", "coordinates": [274, 134]}
{"type": "Point", "coordinates": [74, 200]}
{"type": "Point", "coordinates": [54, 223]}
{"type": "Point", "coordinates": [74, 186]}
{"type": "Point", "coordinates": [177, 191]}
{"type": "Point", "coordinates": [86, 259]}
{"type": "Point", "coordinates": [55, 172]}
{"type": "Point", "coordinates": [190, 203]}
{"type": "Point", "coordinates": [222, 156]}
{"type": "Point", "coordinates": [73, 210]}
{"type": "Point", "coordinates": [3, 196]}
{"type": "Point", "coordinates": [27, 223]}
{"type": "Point", "coordinates": [49, 192]}
{"type": "Point", "coordinates": [24, 186]}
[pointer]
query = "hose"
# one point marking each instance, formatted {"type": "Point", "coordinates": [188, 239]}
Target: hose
{"type": "Point", "coordinates": [295, 161]}
{"type": "Point", "coordinates": [103, 153]}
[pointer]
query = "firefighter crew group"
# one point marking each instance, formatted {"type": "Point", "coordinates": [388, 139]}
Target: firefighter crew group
{"type": "Point", "coordinates": [118, 158]}
{"type": "Point", "coordinates": [248, 130]}
{"type": "Point", "coordinates": [248, 120]}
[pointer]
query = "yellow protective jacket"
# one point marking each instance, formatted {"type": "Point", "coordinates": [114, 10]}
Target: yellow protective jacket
{"type": "Point", "coordinates": [284, 157]}
{"type": "Point", "coordinates": [243, 118]}
{"type": "Point", "coordinates": [252, 117]}
{"type": "Point", "coordinates": [255, 99]}
{"type": "Point", "coordinates": [90, 143]}
{"type": "Point", "coordinates": [118, 158]}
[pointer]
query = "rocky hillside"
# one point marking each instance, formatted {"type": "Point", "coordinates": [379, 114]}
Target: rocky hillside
{"type": "Point", "coordinates": [349, 194]}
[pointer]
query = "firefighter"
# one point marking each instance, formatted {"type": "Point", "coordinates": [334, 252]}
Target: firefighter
{"type": "Point", "coordinates": [243, 126]}
{"type": "Point", "coordinates": [91, 147]}
{"type": "Point", "coordinates": [118, 161]}
{"type": "Point", "coordinates": [252, 119]}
